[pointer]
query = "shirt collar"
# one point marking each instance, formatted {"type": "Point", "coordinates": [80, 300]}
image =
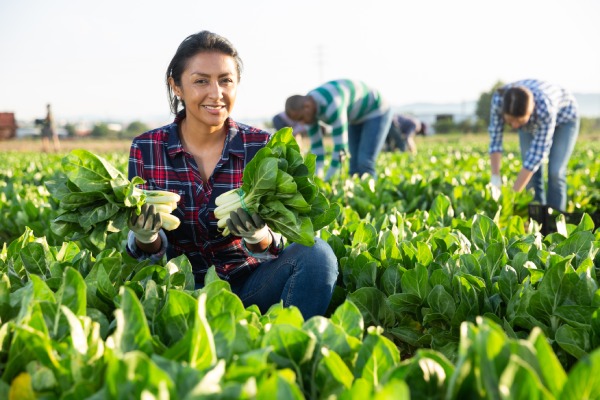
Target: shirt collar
{"type": "Point", "coordinates": [234, 144]}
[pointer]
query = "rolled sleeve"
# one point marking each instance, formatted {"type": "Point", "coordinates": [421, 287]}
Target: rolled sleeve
{"type": "Point", "coordinates": [139, 255]}
{"type": "Point", "coordinates": [496, 126]}
{"type": "Point", "coordinates": [270, 252]}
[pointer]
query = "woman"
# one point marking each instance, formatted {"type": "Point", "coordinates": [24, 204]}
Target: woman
{"type": "Point", "coordinates": [548, 124]}
{"type": "Point", "coordinates": [201, 155]}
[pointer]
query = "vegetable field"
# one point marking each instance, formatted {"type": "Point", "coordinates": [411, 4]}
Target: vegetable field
{"type": "Point", "coordinates": [443, 293]}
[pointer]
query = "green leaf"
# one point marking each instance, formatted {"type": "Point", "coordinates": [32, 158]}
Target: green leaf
{"type": "Point", "coordinates": [35, 259]}
{"type": "Point", "coordinates": [197, 344]}
{"type": "Point", "coordinates": [298, 203]}
{"type": "Point", "coordinates": [132, 331]}
{"type": "Point", "coordinates": [584, 379]}
{"type": "Point", "coordinates": [365, 235]}
{"type": "Point", "coordinates": [327, 213]}
{"type": "Point", "coordinates": [441, 302]}
{"type": "Point", "coordinates": [426, 373]}
{"type": "Point", "coordinates": [280, 385]}
{"type": "Point", "coordinates": [292, 346]}
{"type": "Point", "coordinates": [521, 380]}
{"type": "Point", "coordinates": [335, 368]}
{"type": "Point", "coordinates": [93, 215]}
{"type": "Point", "coordinates": [176, 317]}
{"type": "Point", "coordinates": [485, 232]}
{"type": "Point", "coordinates": [286, 183]}
{"type": "Point", "coordinates": [416, 282]}
{"type": "Point", "coordinates": [553, 291]}
{"type": "Point", "coordinates": [89, 171]}
{"type": "Point", "coordinates": [72, 292]}
{"type": "Point", "coordinates": [580, 244]}
{"type": "Point", "coordinates": [508, 282]}
{"type": "Point", "coordinates": [373, 306]}
{"type": "Point", "coordinates": [349, 317]}
{"type": "Point", "coordinates": [440, 211]}
{"type": "Point", "coordinates": [376, 357]}
{"type": "Point", "coordinates": [552, 372]}
{"type": "Point", "coordinates": [574, 341]}
{"type": "Point", "coordinates": [136, 376]}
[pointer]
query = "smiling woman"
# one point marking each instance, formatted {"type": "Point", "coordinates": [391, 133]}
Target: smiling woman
{"type": "Point", "coordinates": [202, 155]}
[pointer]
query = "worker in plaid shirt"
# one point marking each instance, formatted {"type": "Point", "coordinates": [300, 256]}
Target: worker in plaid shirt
{"type": "Point", "coordinates": [547, 120]}
{"type": "Point", "coordinates": [201, 155]}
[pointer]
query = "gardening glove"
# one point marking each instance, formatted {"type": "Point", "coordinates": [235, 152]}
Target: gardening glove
{"type": "Point", "coordinates": [250, 227]}
{"type": "Point", "coordinates": [145, 226]}
{"type": "Point", "coordinates": [496, 183]}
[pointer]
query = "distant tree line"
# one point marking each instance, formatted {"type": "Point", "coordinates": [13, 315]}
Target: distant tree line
{"type": "Point", "coordinates": [104, 130]}
{"type": "Point", "coordinates": [107, 131]}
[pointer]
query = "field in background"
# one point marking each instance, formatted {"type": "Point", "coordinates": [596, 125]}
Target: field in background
{"type": "Point", "coordinates": [109, 145]}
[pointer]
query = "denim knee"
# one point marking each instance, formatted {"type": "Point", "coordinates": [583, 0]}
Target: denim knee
{"type": "Point", "coordinates": [557, 175]}
{"type": "Point", "coordinates": [324, 263]}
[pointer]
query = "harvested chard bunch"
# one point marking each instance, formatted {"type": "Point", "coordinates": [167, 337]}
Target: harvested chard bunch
{"type": "Point", "coordinates": [95, 198]}
{"type": "Point", "coordinates": [278, 185]}
{"type": "Point", "coordinates": [164, 202]}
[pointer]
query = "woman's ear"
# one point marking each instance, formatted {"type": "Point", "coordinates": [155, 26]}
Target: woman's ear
{"type": "Point", "coordinates": [174, 87]}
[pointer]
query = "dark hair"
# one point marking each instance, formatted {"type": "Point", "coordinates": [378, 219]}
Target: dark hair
{"type": "Point", "coordinates": [200, 42]}
{"type": "Point", "coordinates": [516, 101]}
{"type": "Point", "coordinates": [294, 103]}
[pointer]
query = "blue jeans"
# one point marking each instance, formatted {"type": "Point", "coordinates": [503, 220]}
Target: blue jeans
{"type": "Point", "coordinates": [365, 141]}
{"type": "Point", "coordinates": [301, 276]}
{"type": "Point", "coordinates": [563, 142]}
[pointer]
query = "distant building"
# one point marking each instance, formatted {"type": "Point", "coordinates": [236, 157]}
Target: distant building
{"type": "Point", "coordinates": [8, 125]}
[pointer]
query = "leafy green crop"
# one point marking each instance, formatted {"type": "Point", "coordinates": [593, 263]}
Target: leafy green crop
{"type": "Point", "coordinates": [95, 198]}
{"type": "Point", "coordinates": [278, 185]}
{"type": "Point", "coordinates": [444, 293]}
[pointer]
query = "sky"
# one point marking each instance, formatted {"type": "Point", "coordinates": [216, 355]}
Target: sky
{"type": "Point", "coordinates": [106, 59]}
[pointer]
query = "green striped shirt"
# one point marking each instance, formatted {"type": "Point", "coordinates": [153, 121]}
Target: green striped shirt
{"type": "Point", "coordinates": [341, 103]}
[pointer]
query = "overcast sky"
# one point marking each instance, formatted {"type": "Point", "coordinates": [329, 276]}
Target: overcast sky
{"type": "Point", "coordinates": [107, 59]}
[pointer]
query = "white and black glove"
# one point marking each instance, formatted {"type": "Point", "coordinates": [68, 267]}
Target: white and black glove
{"type": "Point", "coordinates": [145, 226]}
{"type": "Point", "coordinates": [252, 228]}
{"type": "Point", "coordinates": [496, 184]}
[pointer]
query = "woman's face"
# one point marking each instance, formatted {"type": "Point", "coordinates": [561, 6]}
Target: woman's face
{"type": "Point", "coordinates": [516, 122]}
{"type": "Point", "coordinates": [208, 88]}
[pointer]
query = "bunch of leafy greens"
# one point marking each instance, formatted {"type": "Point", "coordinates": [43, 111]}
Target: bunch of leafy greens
{"type": "Point", "coordinates": [278, 184]}
{"type": "Point", "coordinates": [94, 198]}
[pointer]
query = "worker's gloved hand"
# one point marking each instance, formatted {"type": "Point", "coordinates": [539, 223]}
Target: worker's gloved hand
{"type": "Point", "coordinates": [496, 184]}
{"type": "Point", "coordinates": [250, 227]}
{"type": "Point", "coordinates": [145, 226]}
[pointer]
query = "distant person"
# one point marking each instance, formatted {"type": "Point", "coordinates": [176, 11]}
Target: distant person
{"type": "Point", "coordinates": [281, 120]}
{"type": "Point", "coordinates": [360, 119]}
{"type": "Point", "coordinates": [402, 133]}
{"type": "Point", "coordinates": [49, 132]}
{"type": "Point", "coordinates": [547, 119]}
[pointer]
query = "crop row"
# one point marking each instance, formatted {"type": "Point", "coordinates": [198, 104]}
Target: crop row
{"type": "Point", "coordinates": [442, 293]}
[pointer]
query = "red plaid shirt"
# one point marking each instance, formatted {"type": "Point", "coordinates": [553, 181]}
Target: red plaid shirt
{"type": "Point", "coordinates": [158, 157]}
